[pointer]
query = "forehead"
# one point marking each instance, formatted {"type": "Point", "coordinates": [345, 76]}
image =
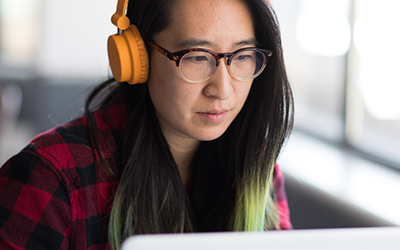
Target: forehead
{"type": "Point", "coordinates": [222, 23]}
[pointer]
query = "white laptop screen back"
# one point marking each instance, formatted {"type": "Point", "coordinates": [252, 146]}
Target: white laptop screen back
{"type": "Point", "coordinates": [326, 239]}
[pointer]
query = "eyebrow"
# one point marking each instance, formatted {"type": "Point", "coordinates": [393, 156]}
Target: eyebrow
{"type": "Point", "coordinates": [195, 42]}
{"type": "Point", "coordinates": [251, 41]}
{"type": "Point", "coordinates": [199, 42]}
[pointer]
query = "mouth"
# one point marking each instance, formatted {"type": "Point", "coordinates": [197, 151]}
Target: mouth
{"type": "Point", "coordinates": [214, 116]}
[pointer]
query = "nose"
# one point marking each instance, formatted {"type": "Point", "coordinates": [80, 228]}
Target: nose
{"type": "Point", "coordinates": [220, 83]}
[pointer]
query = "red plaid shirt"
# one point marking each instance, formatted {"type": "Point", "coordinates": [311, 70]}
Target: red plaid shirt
{"type": "Point", "coordinates": [55, 195]}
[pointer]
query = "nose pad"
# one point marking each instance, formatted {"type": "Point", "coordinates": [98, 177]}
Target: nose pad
{"type": "Point", "coordinates": [228, 60]}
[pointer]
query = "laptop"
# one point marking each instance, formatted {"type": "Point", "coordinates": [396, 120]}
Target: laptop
{"type": "Point", "coordinates": [377, 238]}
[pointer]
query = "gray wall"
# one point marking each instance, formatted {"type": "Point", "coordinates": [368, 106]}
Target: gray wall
{"type": "Point", "coordinates": [48, 103]}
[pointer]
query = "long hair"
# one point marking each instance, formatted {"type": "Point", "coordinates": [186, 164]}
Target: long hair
{"type": "Point", "coordinates": [232, 176]}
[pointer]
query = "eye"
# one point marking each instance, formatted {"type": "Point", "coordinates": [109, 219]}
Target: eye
{"type": "Point", "coordinates": [243, 57]}
{"type": "Point", "coordinates": [196, 59]}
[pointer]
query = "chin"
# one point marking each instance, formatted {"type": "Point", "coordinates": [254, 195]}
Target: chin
{"type": "Point", "coordinates": [210, 135]}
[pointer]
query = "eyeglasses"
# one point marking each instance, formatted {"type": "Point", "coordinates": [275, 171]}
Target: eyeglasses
{"type": "Point", "coordinates": [197, 65]}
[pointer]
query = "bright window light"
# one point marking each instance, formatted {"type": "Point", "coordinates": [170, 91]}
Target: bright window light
{"type": "Point", "coordinates": [377, 41]}
{"type": "Point", "coordinates": [323, 27]}
{"type": "Point", "coordinates": [19, 30]}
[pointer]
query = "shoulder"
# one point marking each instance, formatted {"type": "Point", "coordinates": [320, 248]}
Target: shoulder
{"type": "Point", "coordinates": [67, 150]}
{"type": "Point", "coordinates": [63, 154]}
{"type": "Point", "coordinates": [280, 198]}
{"type": "Point", "coordinates": [65, 146]}
{"type": "Point", "coordinates": [278, 181]}
{"type": "Point", "coordinates": [70, 145]}
{"type": "Point", "coordinates": [49, 158]}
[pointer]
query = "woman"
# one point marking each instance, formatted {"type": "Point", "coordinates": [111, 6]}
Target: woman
{"type": "Point", "coordinates": [190, 150]}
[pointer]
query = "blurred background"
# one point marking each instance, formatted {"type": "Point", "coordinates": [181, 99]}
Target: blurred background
{"type": "Point", "coordinates": [342, 163]}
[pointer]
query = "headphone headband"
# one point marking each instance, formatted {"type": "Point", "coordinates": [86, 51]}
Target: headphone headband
{"type": "Point", "coordinates": [119, 18]}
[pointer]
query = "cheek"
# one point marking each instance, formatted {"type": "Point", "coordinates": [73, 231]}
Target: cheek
{"type": "Point", "coordinates": [243, 92]}
{"type": "Point", "coordinates": [161, 78]}
{"type": "Point", "coordinates": [167, 91]}
{"type": "Point", "coordinates": [166, 85]}
{"type": "Point", "coordinates": [173, 99]}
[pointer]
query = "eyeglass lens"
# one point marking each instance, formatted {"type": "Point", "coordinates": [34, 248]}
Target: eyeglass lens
{"type": "Point", "coordinates": [196, 66]}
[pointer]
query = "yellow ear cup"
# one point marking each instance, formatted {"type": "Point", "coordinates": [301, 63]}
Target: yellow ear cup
{"type": "Point", "coordinates": [128, 56]}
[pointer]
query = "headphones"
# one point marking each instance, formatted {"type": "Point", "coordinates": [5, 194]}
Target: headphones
{"type": "Point", "coordinates": [127, 53]}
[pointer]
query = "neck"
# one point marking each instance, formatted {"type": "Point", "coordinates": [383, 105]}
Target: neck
{"type": "Point", "coordinates": [183, 151]}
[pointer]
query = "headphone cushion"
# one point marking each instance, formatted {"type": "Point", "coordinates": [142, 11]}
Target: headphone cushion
{"type": "Point", "coordinates": [128, 56]}
{"type": "Point", "coordinates": [143, 55]}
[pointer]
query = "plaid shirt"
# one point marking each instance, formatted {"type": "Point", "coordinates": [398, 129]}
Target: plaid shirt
{"type": "Point", "coordinates": [55, 195]}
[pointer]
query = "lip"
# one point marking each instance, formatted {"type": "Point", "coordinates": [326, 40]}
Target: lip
{"type": "Point", "coordinates": [214, 116]}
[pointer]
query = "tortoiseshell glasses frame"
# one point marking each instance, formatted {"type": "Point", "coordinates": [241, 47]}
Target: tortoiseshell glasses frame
{"type": "Point", "coordinates": [177, 56]}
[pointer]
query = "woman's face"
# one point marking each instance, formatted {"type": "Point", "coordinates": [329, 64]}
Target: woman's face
{"type": "Point", "coordinates": [200, 111]}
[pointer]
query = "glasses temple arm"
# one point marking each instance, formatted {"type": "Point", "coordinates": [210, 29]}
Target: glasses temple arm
{"type": "Point", "coordinates": [162, 51]}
